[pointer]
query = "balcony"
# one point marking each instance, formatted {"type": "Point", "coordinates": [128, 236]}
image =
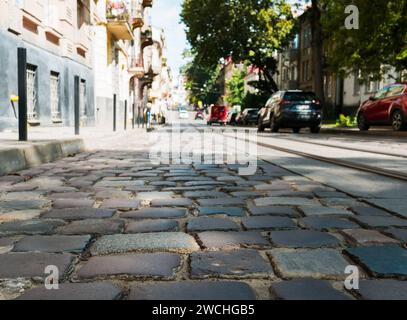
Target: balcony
{"type": "Point", "coordinates": [147, 37]}
{"type": "Point", "coordinates": [117, 17]}
{"type": "Point", "coordinates": [136, 66]}
{"type": "Point", "coordinates": [137, 18]}
{"type": "Point", "coordinates": [147, 3]}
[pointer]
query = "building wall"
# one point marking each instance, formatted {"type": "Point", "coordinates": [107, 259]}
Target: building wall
{"type": "Point", "coordinates": [52, 44]}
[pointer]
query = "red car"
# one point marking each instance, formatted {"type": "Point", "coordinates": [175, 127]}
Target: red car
{"type": "Point", "coordinates": [218, 114]}
{"type": "Point", "coordinates": [387, 107]}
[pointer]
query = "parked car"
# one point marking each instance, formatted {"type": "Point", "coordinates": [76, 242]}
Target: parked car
{"type": "Point", "coordinates": [250, 116]}
{"type": "Point", "coordinates": [387, 107]}
{"type": "Point", "coordinates": [239, 119]}
{"type": "Point", "coordinates": [218, 114]}
{"type": "Point", "coordinates": [293, 109]}
{"type": "Point", "coordinates": [183, 113]}
{"type": "Point", "coordinates": [232, 118]}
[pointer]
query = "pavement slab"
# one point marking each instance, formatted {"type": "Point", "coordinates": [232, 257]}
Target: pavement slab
{"type": "Point", "coordinates": [316, 263]}
{"type": "Point", "coordinates": [30, 227]}
{"type": "Point", "coordinates": [370, 211]}
{"type": "Point", "coordinates": [307, 289]}
{"type": "Point", "coordinates": [174, 202]}
{"type": "Point", "coordinates": [303, 239]}
{"type": "Point", "coordinates": [273, 211]}
{"type": "Point", "coordinates": [237, 264]}
{"type": "Point", "coordinates": [72, 203]}
{"type": "Point", "coordinates": [268, 223]}
{"type": "Point", "coordinates": [382, 290]}
{"type": "Point", "coordinates": [149, 265]}
{"type": "Point", "coordinates": [381, 222]}
{"type": "Point", "coordinates": [79, 214]}
{"type": "Point", "coordinates": [381, 261]}
{"type": "Point", "coordinates": [190, 290]}
{"type": "Point", "coordinates": [155, 213]}
{"type": "Point", "coordinates": [327, 223]}
{"type": "Point", "coordinates": [120, 204]}
{"type": "Point", "coordinates": [310, 211]}
{"type": "Point", "coordinates": [221, 202]}
{"type": "Point", "coordinates": [213, 240]}
{"type": "Point", "coordinates": [211, 224]}
{"type": "Point", "coordinates": [146, 226]}
{"type": "Point", "coordinates": [29, 265]}
{"type": "Point", "coordinates": [229, 211]}
{"type": "Point", "coordinates": [52, 244]}
{"type": "Point", "coordinates": [75, 291]}
{"type": "Point", "coordinates": [92, 227]}
{"type": "Point", "coordinates": [285, 201]}
{"type": "Point", "coordinates": [365, 237]}
{"type": "Point", "coordinates": [146, 242]}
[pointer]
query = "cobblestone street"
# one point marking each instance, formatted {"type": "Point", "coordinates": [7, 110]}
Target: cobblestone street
{"type": "Point", "coordinates": [119, 227]}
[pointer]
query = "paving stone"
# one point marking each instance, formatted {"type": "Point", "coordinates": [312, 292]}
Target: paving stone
{"type": "Point", "coordinates": [163, 184]}
{"type": "Point", "coordinates": [119, 184]}
{"type": "Point", "coordinates": [70, 195]}
{"type": "Point", "coordinates": [7, 244]}
{"type": "Point", "coordinates": [331, 194]}
{"type": "Point", "coordinates": [24, 195]}
{"type": "Point", "coordinates": [203, 291]}
{"type": "Point", "coordinates": [205, 194]}
{"type": "Point", "coordinates": [120, 204]}
{"type": "Point", "coordinates": [382, 261]}
{"type": "Point", "coordinates": [23, 204]}
{"type": "Point", "coordinates": [183, 189]}
{"type": "Point", "coordinates": [328, 223]}
{"type": "Point", "coordinates": [203, 183]}
{"type": "Point", "coordinates": [293, 194]}
{"type": "Point", "coordinates": [30, 227]}
{"type": "Point", "coordinates": [52, 244]}
{"type": "Point", "coordinates": [238, 188]}
{"type": "Point", "coordinates": [307, 289]}
{"type": "Point", "coordinates": [155, 213]}
{"type": "Point", "coordinates": [383, 290]}
{"type": "Point", "coordinates": [370, 211]}
{"type": "Point", "coordinates": [27, 265]}
{"type": "Point", "coordinates": [246, 194]}
{"type": "Point", "coordinates": [273, 187]}
{"type": "Point", "coordinates": [214, 240]}
{"type": "Point", "coordinates": [367, 237]}
{"type": "Point", "coordinates": [317, 263]}
{"type": "Point", "coordinates": [268, 223]}
{"type": "Point", "coordinates": [92, 227]}
{"type": "Point", "coordinates": [173, 202]}
{"type": "Point", "coordinates": [157, 265]}
{"type": "Point", "coordinates": [400, 234]}
{"type": "Point", "coordinates": [189, 179]}
{"type": "Point", "coordinates": [19, 215]}
{"type": "Point", "coordinates": [284, 201]}
{"type": "Point", "coordinates": [303, 239]}
{"type": "Point", "coordinates": [397, 206]}
{"type": "Point", "coordinates": [229, 211]}
{"type": "Point", "coordinates": [313, 188]}
{"type": "Point", "coordinates": [238, 263]}
{"type": "Point", "coordinates": [72, 203]}
{"type": "Point", "coordinates": [221, 202]}
{"type": "Point", "coordinates": [325, 211]}
{"type": "Point", "coordinates": [79, 214]}
{"type": "Point", "coordinates": [159, 225]}
{"type": "Point", "coordinates": [273, 211]}
{"type": "Point", "coordinates": [150, 196]}
{"type": "Point", "coordinates": [341, 202]}
{"type": "Point", "coordinates": [141, 188]}
{"type": "Point", "coordinates": [381, 222]}
{"type": "Point", "coordinates": [166, 241]}
{"type": "Point", "coordinates": [75, 291]}
{"type": "Point", "coordinates": [211, 224]}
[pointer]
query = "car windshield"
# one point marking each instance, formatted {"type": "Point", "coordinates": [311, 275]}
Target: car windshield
{"type": "Point", "coordinates": [252, 111]}
{"type": "Point", "coordinates": [300, 96]}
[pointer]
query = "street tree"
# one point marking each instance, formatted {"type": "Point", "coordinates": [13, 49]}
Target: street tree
{"type": "Point", "coordinates": [248, 30]}
{"type": "Point", "coordinates": [235, 92]}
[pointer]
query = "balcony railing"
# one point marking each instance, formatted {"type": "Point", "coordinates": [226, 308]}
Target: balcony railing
{"type": "Point", "coordinates": [136, 66]}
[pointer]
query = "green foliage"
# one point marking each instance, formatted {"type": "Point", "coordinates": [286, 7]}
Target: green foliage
{"type": "Point", "coordinates": [248, 30]}
{"type": "Point", "coordinates": [381, 39]}
{"type": "Point", "coordinates": [346, 121]}
{"type": "Point", "coordinates": [235, 88]}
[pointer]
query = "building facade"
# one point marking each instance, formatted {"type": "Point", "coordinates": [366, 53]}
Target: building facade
{"type": "Point", "coordinates": [56, 34]}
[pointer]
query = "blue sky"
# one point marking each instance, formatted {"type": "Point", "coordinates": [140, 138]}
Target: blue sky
{"type": "Point", "coordinates": [165, 14]}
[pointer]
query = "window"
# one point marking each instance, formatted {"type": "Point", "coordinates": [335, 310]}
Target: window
{"type": "Point", "coordinates": [382, 93]}
{"type": "Point", "coordinates": [32, 93]}
{"type": "Point", "coordinates": [82, 99]}
{"type": "Point", "coordinates": [54, 90]}
{"type": "Point", "coordinates": [306, 37]}
{"type": "Point", "coordinates": [372, 86]}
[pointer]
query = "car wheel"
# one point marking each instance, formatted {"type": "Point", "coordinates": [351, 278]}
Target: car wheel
{"type": "Point", "coordinates": [296, 130]}
{"type": "Point", "coordinates": [397, 121]}
{"type": "Point", "coordinates": [274, 126]}
{"type": "Point", "coordinates": [363, 125]}
{"type": "Point", "coordinates": [315, 129]}
{"type": "Point", "coordinates": [260, 127]}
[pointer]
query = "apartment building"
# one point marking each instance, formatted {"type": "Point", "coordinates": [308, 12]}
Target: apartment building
{"type": "Point", "coordinates": [296, 71]}
{"type": "Point", "coordinates": [56, 34]}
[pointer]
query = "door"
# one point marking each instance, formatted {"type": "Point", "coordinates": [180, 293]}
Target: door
{"type": "Point", "coordinates": [374, 109]}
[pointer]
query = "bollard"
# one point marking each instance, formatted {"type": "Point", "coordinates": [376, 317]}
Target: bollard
{"type": "Point", "coordinates": [22, 93]}
{"type": "Point", "coordinates": [125, 115]}
{"type": "Point", "coordinates": [134, 116]}
{"type": "Point", "coordinates": [114, 112]}
{"type": "Point", "coordinates": [76, 105]}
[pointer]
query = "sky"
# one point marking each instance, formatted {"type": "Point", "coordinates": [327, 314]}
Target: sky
{"type": "Point", "coordinates": [165, 14]}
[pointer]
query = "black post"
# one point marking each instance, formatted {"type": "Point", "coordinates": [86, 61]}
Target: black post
{"type": "Point", "coordinates": [125, 115]}
{"type": "Point", "coordinates": [77, 102]}
{"type": "Point", "coordinates": [114, 112]}
{"type": "Point", "coordinates": [22, 94]}
{"type": "Point", "coordinates": [134, 115]}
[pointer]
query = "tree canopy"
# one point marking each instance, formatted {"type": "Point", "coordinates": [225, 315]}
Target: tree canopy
{"type": "Point", "coordinates": [248, 30]}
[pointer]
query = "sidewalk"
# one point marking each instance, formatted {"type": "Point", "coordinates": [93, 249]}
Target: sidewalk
{"type": "Point", "coordinates": [47, 144]}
